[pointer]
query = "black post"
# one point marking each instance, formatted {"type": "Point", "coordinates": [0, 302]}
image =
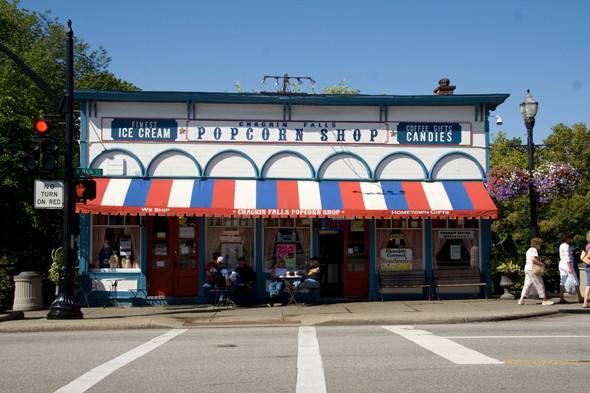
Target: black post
{"type": "Point", "coordinates": [530, 123]}
{"type": "Point", "coordinates": [66, 306]}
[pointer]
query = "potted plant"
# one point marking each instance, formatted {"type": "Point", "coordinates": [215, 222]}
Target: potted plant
{"type": "Point", "coordinates": [509, 271]}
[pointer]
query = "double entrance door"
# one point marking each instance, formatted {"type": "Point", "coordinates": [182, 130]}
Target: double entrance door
{"type": "Point", "coordinates": [344, 256]}
{"type": "Point", "coordinates": [173, 256]}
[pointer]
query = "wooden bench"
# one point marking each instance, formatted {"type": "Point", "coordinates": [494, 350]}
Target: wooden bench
{"type": "Point", "coordinates": [457, 278]}
{"type": "Point", "coordinates": [403, 279]}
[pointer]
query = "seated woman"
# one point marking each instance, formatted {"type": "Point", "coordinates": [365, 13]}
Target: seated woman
{"type": "Point", "coordinates": [312, 281]}
{"type": "Point", "coordinates": [276, 286]}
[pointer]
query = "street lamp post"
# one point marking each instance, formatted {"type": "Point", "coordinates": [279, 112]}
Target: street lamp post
{"type": "Point", "coordinates": [529, 108]}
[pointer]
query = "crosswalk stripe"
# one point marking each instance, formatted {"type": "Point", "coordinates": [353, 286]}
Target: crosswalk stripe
{"type": "Point", "coordinates": [310, 370]}
{"type": "Point", "coordinates": [442, 346]}
{"type": "Point", "coordinates": [97, 374]}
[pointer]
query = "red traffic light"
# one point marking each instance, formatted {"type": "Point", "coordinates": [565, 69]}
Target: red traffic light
{"type": "Point", "coordinates": [41, 126]}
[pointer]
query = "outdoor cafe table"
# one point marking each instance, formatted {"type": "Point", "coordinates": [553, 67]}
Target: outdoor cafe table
{"type": "Point", "coordinates": [291, 288]}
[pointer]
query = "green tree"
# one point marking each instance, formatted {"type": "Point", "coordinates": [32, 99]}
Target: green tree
{"type": "Point", "coordinates": [28, 235]}
{"type": "Point", "coordinates": [567, 213]}
{"type": "Point", "coordinates": [341, 88]}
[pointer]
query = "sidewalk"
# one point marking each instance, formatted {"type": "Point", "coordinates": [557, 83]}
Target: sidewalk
{"type": "Point", "coordinates": [352, 313]}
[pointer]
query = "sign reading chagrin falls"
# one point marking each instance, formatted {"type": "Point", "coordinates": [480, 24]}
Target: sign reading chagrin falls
{"type": "Point", "coordinates": [290, 132]}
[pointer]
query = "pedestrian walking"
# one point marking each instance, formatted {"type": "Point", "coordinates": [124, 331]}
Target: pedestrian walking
{"type": "Point", "coordinates": [533, 270]}
{"type": "Point", "coordinates": [568, 279]}
{"type": "Point", "coordinates": [586, 260]}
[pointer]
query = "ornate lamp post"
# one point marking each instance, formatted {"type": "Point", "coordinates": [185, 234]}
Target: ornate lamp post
{"type": "Point", "coordinates": [529, 108]}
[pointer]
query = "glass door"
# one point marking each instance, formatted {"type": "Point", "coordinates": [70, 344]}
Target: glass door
{"type": "Point", "coordinates": [356, 259]}
{"type": "Point", "coordinates": [160, 258]}
{"type": "Point", "coordinates": [186, 275]}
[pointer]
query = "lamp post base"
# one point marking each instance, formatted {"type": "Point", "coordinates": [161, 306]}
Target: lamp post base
{"type": "Point", "coordinates": [64, 307]}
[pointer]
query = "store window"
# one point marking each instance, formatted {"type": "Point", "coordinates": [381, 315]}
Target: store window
{"type": "Point", "coordinates": [232, 237]}
{"type": "Point", "coordinates": [288, 239]}
{"type": "Point", "coordinates": [455, 243]}
{"type": "Point", "coordinates": [115, 242]}
{"type": "Point", "coordinates": [399, 245]}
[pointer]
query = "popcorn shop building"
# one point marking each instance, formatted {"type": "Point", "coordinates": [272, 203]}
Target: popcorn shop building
{"type": "Point", "coordinates": [371, 184]}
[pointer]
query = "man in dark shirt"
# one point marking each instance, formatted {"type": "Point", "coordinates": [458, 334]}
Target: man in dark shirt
{"type": "Point", "coordinates": [246, 282]}
{"type": "Point", "coordinates": [312, 281]}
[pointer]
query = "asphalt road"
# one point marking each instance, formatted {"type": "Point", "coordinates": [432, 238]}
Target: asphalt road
{"type": "Point", "coordinates": [535, 355]}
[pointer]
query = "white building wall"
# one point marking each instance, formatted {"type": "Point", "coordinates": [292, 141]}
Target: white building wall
{"type": "Point", "coordinates": [233, 164]}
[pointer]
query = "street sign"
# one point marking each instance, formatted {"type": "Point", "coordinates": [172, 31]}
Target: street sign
{"type": "Point", "coordinates": [88, 172]}
{"type": "Point", "coordinates": [49, 194]}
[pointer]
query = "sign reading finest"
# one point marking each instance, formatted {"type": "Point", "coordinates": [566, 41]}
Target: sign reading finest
{"type": "Point", "coordinates": [144, 130]}
{"type": "Point", "coordinates": [49, 194]}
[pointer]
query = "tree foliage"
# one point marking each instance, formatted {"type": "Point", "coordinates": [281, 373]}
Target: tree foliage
{"type": "Point", "coordinates": [28, 235]}
{"type": "Point", "coordinates": [341, 88]}
{"type": "Point", "coordinates": [565, 213]}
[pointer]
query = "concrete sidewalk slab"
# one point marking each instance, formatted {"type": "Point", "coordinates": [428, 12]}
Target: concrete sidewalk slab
{"type": "Point", "coordinates": [351, 313]}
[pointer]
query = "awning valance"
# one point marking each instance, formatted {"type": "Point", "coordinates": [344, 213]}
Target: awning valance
{"type": "Point", "coordinates": [291, 198]}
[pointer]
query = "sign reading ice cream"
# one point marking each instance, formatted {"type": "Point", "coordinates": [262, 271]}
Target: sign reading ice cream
{"type": "Point", "coordinates": [144, 130]}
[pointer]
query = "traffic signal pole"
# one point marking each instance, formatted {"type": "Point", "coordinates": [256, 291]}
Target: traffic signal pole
{"type": "Point", "coordinates": [66, 306]}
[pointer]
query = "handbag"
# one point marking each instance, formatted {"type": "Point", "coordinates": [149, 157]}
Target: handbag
{"type": "Point", "coordinates": [585, 257]}
{"type": "Point", "coordinates": [538, 269]}
{"type": "Point", "coordinates": [570, 284]}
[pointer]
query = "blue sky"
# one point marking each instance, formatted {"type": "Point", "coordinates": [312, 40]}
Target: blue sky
{"type": "Point", "coordinates": [392, 47]}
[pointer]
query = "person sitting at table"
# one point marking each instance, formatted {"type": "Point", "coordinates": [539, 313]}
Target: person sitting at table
{"type": "Point", "coordinates": [245, 282]}
{"type": "Point", "coordinates": [276, 286]}
{"type": "Point", "coordinates": [312, 281]}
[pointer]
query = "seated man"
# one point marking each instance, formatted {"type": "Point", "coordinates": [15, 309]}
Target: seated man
{"type": "Point", "coordinates": [312, 281]}
{"type": "Point", "coordinates": [245, 281]}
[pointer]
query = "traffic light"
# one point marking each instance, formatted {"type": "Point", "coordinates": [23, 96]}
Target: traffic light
{"type": "Point", "coordinates": [49, 155]}
{"type": "Point", "coordinates": [32, 156]}
{"type": "Point", "coordinates": [85, 189]}
{"type": "Point", "coordinates": [43, 151]}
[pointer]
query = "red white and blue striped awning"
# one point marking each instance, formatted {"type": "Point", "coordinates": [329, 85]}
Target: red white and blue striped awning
{"type": "Point", "coordinates": [291, 198]}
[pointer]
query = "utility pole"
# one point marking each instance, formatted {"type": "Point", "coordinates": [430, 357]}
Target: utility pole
{"type": "Point", "coordinates": [66, 306]}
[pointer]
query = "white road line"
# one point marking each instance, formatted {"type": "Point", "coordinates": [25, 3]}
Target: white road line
{"type": "Point", "coordinates": [442, 346]}
{"type": "Point", "coordinates": [310, 370]}
{"type": "Point", "coordinates": [97, 374]}
{"type": "Point", "coordinates": [571, 336]}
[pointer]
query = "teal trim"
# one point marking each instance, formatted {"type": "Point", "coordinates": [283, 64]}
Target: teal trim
{"type": "Point", "coordinates": [457, 153]}
{"type": "Point", "coordinates": [202, 255]}
{"type": "Point", "coordinates": [326, 163]}
{"type": "Point", "coordinates": [84, 263]}
{"type": "Point", "coordinates": [143, 232]}
{"type": "Point", "coordinates": [208, 166]}
{"type": "Point", "coordinates": [379, 169]}
{"type": "Point", "coordinates": [427, 252]}
{"type": "Point", "coordinates": [487, 131]}
{"type": "Point", "coordinates": [178, 151]}
{"type": "Point", "coordinates": [373, 289]}
{"type": "Point", "coordinates": [267, 164]}
{"type": "Point", "coordinates": [491, 100]}
{"type": "Point", "coordinates": [315, 236]}
{"type": "Point", "coordinates": [122, 151]}
{"type": "Point", "coordinates": [83, 135]}
{"type": "Point", "coordinates": [485, 230]}
{"type": "Point", "coordinates": [258, 257]}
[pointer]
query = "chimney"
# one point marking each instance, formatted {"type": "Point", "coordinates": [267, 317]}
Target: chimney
{"type": "Point", "coordinates": [444, 88]}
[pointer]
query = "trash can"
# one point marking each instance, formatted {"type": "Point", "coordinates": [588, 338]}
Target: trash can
{"type": "Point", "coordinates": [28, 292]}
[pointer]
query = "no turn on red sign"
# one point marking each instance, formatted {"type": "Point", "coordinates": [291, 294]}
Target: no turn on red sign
{"type": "Point", "coordinates": [49, 194]}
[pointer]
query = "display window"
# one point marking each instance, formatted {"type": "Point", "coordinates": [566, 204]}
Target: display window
{"type": "Point", "coordinates": [455, 243]}
{"type": "Point", "coordinates": [231, 237]}
{"type": "Point", "coordinates": [115, 243]}
{"type": "Point", "coordinates": [288, 239]}
{"type": "Point", "coordinates": [399, 245]}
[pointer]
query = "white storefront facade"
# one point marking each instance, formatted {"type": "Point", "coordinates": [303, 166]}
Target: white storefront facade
{"type": "Point", "coordinates": [366, 183]}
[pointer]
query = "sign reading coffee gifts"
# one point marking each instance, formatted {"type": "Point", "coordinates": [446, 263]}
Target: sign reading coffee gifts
{"type": "Point", "coordinates": [138, 130]}
{"type": "Point", "coordinates": [396, 259]}
{"type": "Point", "coordinates": [409, 133]}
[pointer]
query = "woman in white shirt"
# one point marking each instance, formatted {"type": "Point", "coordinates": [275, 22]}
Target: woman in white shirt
{"type": "Point", "coordinates": [566, 267]}
{"type": "Point", "coordinates": [533, 279]}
